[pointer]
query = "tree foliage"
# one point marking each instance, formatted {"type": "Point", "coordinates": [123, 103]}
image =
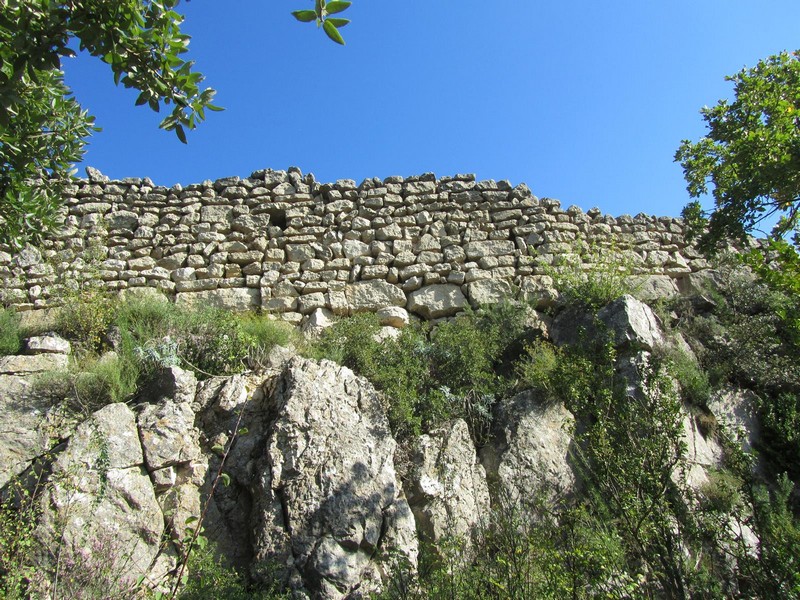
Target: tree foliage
{"type": "Point", "coordinates": [43, 129]}
{"type": "Point", "coordinates": [750, 157]}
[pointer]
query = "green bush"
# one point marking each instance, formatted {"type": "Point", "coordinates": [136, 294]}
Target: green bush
{"type": "Point", "coordinates": [85, 318]}
{"type": "Point", "coordinates": [264, 334]}
{"type": "Point", "coordinates": [209, 579]}
{"type": "Point", "coordinates": [594, 276]}
{"type": "Point", "coordinates": [10, 336]}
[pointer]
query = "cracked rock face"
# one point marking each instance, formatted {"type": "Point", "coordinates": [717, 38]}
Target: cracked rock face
{"type": "Point", "coordinates": [448, 493]}
{"type": "Point", "coordinates": [328, 503]}
{"type": "Point", "coordinates": [100, 511]}
{"type": "Point", "coordinates": [530, 451]}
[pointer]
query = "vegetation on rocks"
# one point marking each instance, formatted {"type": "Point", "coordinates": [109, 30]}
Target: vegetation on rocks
{"type": "Point", "coordinates": [638, 524]}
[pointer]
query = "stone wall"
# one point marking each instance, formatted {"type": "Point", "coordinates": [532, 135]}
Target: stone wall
{"type": "Point", "coordinates": [285, 243]}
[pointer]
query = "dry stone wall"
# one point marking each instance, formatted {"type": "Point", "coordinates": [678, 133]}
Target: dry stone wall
{"type": "Point", "coordinates": [285, 243]}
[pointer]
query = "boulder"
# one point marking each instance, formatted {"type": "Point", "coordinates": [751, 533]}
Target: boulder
{"type": "Point", "coordinates": [436, 301]}
{"type": "Point", "coordinates": [633, 323]}
{"type": "Point", "coordinates": [448, 493]}
{"type": "Point", "coordinates": [317, 322]}
{"type": "Point", "coordinates": [654, 287]}
{"type": "Point", "coordinates": [327, 501]}
{"type": "Point", "coordinates": [31, 426]}
{"type": "Point", "coordinates": [528, 455]}
{"type": "Point", "coordinates": [736, 410]}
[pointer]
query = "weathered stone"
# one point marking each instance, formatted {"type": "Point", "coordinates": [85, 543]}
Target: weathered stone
{"type": "Point", "coordinates": [327, 500]}
{"type": "Point", "coordinates": [528, 455]}
{"type": "Point", "coordinates": [38, 363]}
{"type": "Point", "coordinates": [373, 294]}
{"type": "Point", "coordinates": [47, 344]}
{"type": "Point", "coordinates": [633, 323]}
{"type": "Point", "coordinates": [476, 250]}
{"type": "Point", "coordinates": [736, 410]}
{"type": "Point", "coordinates": [100, 505]}
{"type": "Point", "coordinates": [393, 316]}
{"type": "Point", "coordinates": [448, 495]}
{"type": "Point", "coordinates": [236, 299]}
{"type": "Point", "coordinates": [435, 301]}
{"type": "Point", "coordinates": [167, 434]}
{"type": "Point", "coordinates": [489, 291]}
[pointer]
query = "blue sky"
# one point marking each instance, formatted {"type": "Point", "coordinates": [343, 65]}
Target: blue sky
{"type": "Point", "coordinates": [583, 101]}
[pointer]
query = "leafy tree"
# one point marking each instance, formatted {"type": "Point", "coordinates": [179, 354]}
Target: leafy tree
{"type": "Point", "coordinates": [43, 129]}
{"type": "Point", "coordinates": [750, 155]}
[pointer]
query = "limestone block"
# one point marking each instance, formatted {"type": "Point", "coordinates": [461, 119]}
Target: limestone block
{"type": "Point", "coordinates": [236, 299]}
{"type": "Point", "coordinates": [489, 291]}
{"type": "Point", "coordinates": [373, 294]}
{"type": "Point", "coordinates": [435, 301]}
{"type": "Point", "coordinates": [448, 493]}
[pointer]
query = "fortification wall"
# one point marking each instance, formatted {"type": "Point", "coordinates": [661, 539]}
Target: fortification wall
{"type": "Point", "coordinates": [285, 243]}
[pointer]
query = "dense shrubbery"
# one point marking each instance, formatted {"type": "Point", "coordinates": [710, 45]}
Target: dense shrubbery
{"type": "Point", "coordinates": [458, 370]}
{"type": "Point", "coordinates": [120, 344]}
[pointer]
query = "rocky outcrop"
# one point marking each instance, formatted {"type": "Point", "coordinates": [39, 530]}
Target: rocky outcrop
{"type": "Point", "coordinates": [328, 503]}
{"type": "Point", "coordinates": [448, 492]}
{"type": "Point", "coordinates": [528, 457]}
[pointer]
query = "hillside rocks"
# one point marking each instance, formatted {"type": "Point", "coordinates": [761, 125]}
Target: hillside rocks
{"type": "Point", "coordinates": [100, 509]}
{"type": "Point", "coordinates": [448, 491]}
{"type": "Point", "coordinates": [528, 457]}
{"type": "Point", "coordinates": [327, 500]}
{"type": "Point", "coordinates": [293, 468]}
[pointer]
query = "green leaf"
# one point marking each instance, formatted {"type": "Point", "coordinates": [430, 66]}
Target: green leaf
{"type": "Point", "coordinates": [336, 7]}
{"type": "Point", "coordinates": [226, 479]}
{"type": "Point", "coordinates": [191, 520]}
{"type": "Point", "coordinates": [339, 22]}
{"type": "Point", "coordinates": [243, 431]}
{"type": "Point", "coordinates": [332, 32]}
{"type": "Point", "coordinates": [180, 133]}
{"type": "Point", "coordinates": [218, 449]}
{"type": "Point", "coordinates": [304, 16]}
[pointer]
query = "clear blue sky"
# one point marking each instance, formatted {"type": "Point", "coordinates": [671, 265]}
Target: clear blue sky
{"type": "Point", "coordinates": [583, 101]}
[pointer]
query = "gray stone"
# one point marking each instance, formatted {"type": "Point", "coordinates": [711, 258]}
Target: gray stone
{"type": "Point", "coordinates": [38, 363]}
{"type": "Point", "coordinates": [528, 454]}
{"type": "Point", "coordinates": [328, 501]}
{"type": "Point", "coordinates": [373, 295]}
{"type": "Point", "coordinates": [633, 323]}
{"type": "Point", "coordinates": [436, 301]}
{"type": "Point", "coordinates": [236, 299]}
{"type": "Point", "coordinates": [167, 434]}
{"type": "Point", "coordinates": [393, 316]}
{"type": "Point", "coordinates": [489, 291]}
{"type": "Point", "coordinates": [47, 344]}
{"type": "Point", "coordinates": [736, 410]}
{"type": "Point", "coordinates": [448, 492]}
{"type": "Point", "coordinates": [100, 505]}
{"type": "Point", "coordinates": [477, 250]}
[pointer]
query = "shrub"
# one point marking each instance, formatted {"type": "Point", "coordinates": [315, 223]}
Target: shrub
{"type": "Point", "coordinates": [594, 276]}
{"type": "Point", "coordinates": [264, 334]}
{"type": "Point", "coordinates": [10, 336]}
{"type": "Point", "coordinates": [85, 318]}
{"type": "Point", "coordinates": [209, 578]}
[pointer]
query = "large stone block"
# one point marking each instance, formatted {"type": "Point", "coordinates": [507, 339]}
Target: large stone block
{"type": "Point", "coordinates": [373, 295]}
{"type": "Point", "coordinates": [435, 301]}
{"type": "Point", "coordinates": [236, 299]}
